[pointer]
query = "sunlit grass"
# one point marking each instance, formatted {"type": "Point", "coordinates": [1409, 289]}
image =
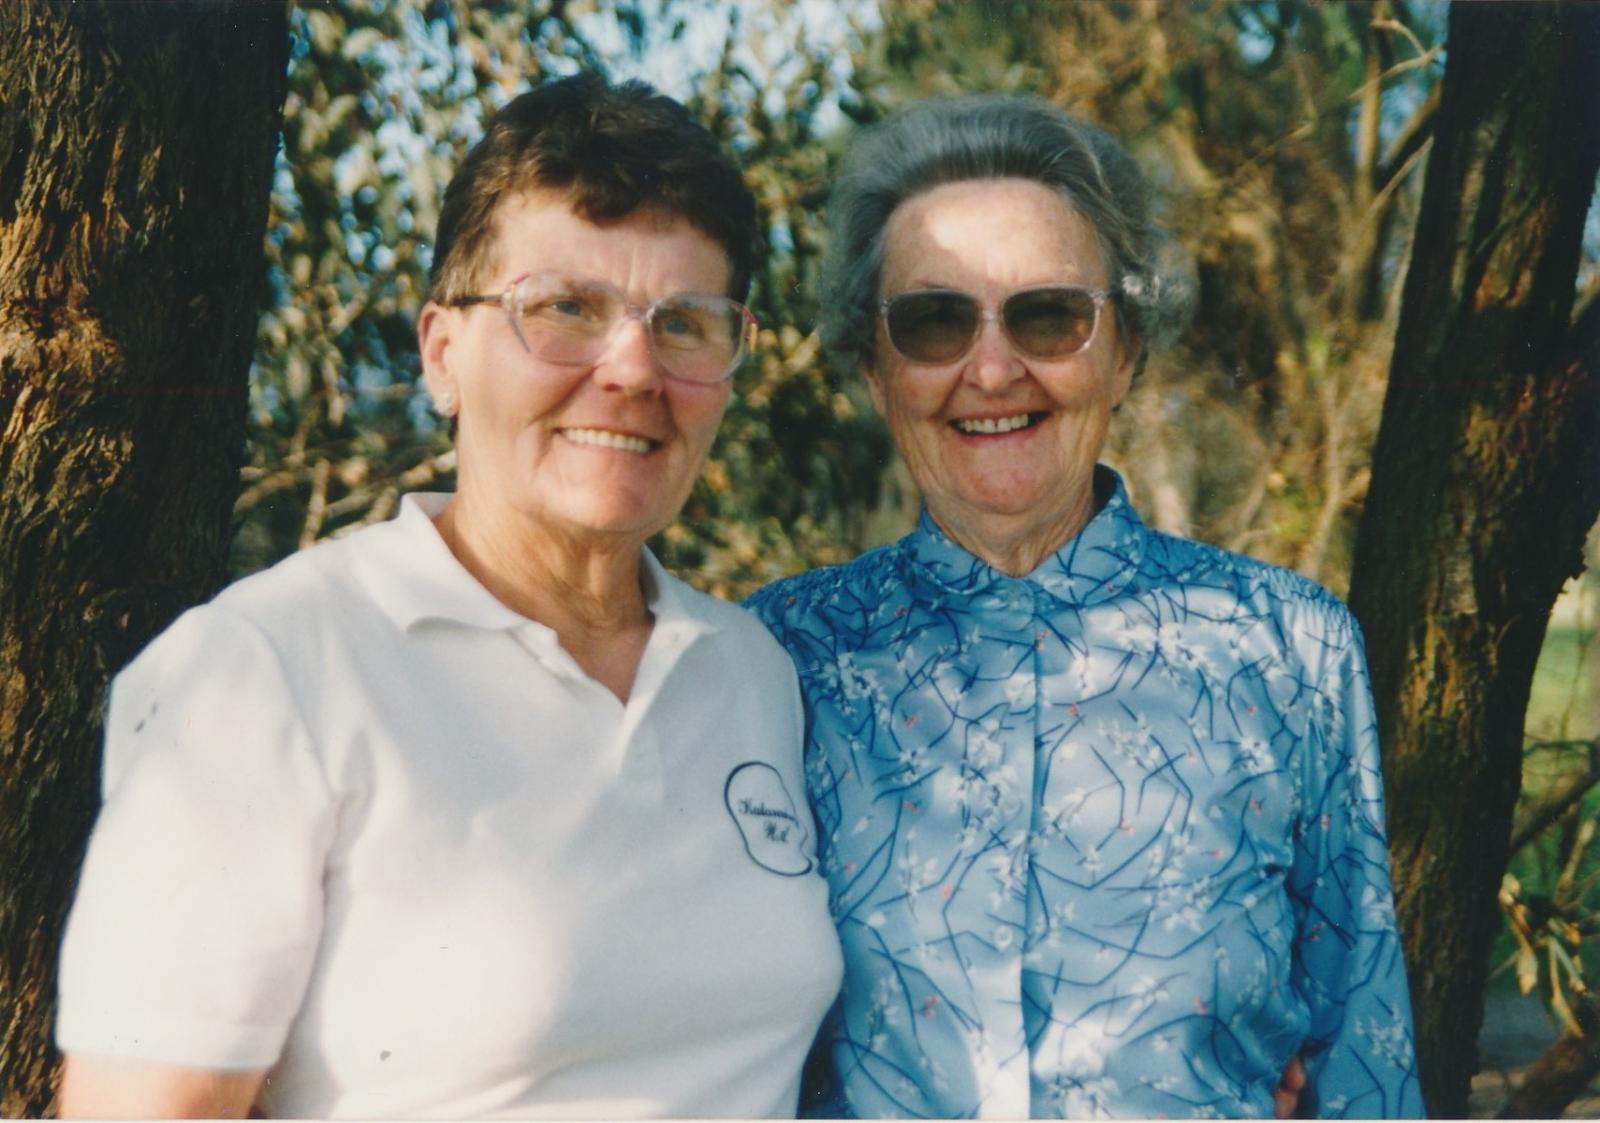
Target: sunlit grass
{"type": "Point", "coordinates": [1564, 703]}
{"type": "Point", "coordinates": [1565, 700]}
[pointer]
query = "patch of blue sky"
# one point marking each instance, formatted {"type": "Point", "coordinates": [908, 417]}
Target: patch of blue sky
{"type": "Point", "coordinates": [357, 243]}
{"type": "Point", "coordinates": [1402, 97]}
{"type": "Point", "coordinates": [283, 184]}
{"type": "Point", "coordinates": [370, 378]}
{"type": "Point", "coordinates": [1589, 261]}
{"type": "Point", "coordinates": [400, 148]}
{"type": "Point", "coordinates": [264, 396]}
{"type": "Point", "coordinates": [1398, 104]}
{"type": "Point", "coordinates": [771, 42]}
{"type": "Point", "coordinates": [1255, 41]}
{"type": "Point", "coordinates": [781, 235]}
{"type": "Point", "coordinates": [299, 34]}
{"type": "Point", "coordinates": [434, 59]}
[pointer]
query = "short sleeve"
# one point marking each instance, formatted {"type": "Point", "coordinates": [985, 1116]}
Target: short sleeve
{"type": "Point", "coordinates": [199, 909]}
{"type": "Point", "coordinates": [1360, 1058]}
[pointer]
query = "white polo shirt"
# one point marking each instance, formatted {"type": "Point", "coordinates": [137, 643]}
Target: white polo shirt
{"type": "Point", "coordinates": [367, 826]}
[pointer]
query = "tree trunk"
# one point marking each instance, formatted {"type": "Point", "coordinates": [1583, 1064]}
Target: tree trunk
{"type": "Point", "coordinates": [1565, 1070]}
{"type": "Point", "coordinates": [1485, 480]}
{"type": "Point", "coordinates": [136, 150]}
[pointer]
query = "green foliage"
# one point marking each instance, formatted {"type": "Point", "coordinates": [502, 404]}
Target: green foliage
{"type": "Point", "coordinates": [384, 99]}
{"type": "Point", "coordinates": [1253, 433]}
{"type": "Point", "coordinates": [1551, 892]}
{"type": "Point", "coordinates": [1550, 895]}
{"type": "Point", "coordinates": [798, 462]}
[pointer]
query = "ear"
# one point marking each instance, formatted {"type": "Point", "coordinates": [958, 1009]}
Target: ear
{"type": "Point", "coordinates": [434, 327]}
{"type": "Point", "coordinates": [1130, 360]}
{"type": "Point", "coordinates": [1130, 357]}
{"type": "Point", "coordinates": [875, 388]}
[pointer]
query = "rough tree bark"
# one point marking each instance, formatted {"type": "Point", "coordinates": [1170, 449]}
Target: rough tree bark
{"type": "Point", "coordinates": [1562, 1072]}
{"type": "Point", "coordinates": [1485, 480]}
{"type": "Point", "coordinates": [136, 148]}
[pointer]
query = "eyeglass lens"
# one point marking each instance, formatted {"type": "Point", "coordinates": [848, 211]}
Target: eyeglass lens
{"type": "Point", "coordinates": [695, 338]}
{"type": "Point", "coordinates": [939, 325]}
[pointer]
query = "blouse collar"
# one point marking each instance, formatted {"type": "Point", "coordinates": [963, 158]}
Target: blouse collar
{"type": "Point", "coordinates": [1094, 565]}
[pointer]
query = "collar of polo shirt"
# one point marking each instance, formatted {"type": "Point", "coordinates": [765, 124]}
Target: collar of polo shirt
{"type": "Point", "coordinates": [422, 582]}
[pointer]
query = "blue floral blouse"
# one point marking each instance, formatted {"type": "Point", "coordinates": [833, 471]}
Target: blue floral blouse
{"type": "Point", "coordinates": [1102, 841]}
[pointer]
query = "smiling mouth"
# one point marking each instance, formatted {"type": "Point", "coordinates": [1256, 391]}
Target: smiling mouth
{"type": "Point", "coordinates": [989, 426]}
{"type": "Point", "coordinates": [604, 438]}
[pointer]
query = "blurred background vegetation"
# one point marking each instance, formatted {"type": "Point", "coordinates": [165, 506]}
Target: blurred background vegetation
{"type": "Point", "coordinates": [1265, 124]}
{"type": "Point", "coordinates": [1288, 141]}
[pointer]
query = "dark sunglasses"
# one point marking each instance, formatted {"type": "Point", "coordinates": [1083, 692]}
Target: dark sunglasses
{"type": "Point", "coordinates": [941, 325]}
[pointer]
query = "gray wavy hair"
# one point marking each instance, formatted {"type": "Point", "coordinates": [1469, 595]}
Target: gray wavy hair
{"type": "Point", "coordinates": [983, 136]}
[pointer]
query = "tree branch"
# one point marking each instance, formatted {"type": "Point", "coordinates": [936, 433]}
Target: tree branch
{"type": "Point", "coordinates": [1584, 337]}
{"type": "Point", "coordinates": [1554, 1080]}
{"type": "Point", "coordinates": [1409, 139]}
{"type": "Point", "coordinates": [1557, 801]}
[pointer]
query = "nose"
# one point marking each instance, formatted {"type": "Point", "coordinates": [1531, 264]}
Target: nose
{"type": "Point", "coordinates": [993, 363]}
{"type": "Point", "coordinates": [628, 363]}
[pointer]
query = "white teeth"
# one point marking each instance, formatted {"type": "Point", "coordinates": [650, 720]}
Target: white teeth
{"type": "Point", "coordinates": [993, 424]}
{"type": "Point", "coordinates": [607, 439]}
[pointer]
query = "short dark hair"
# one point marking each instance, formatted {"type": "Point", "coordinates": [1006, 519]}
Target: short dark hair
{"type": "Point", "coordinates": [987, 136]}
{"type": "Point", "coordinates": [615, 149]}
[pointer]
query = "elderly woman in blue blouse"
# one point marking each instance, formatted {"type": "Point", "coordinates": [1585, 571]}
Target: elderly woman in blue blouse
{"type": "Point", "coordinates": [1100, 807]}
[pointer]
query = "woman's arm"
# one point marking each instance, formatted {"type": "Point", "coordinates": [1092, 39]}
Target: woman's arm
{"type": "Point", "coordinates": [199, 908]}
{"type": "Point", "coordinates": [1359, 1057]}
{"type": "Point", "coordinates": [106, 1088]}
{"type": "Point", "coordinates": [1286, 1096]}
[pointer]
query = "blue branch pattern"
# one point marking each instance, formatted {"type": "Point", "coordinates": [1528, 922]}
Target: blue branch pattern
{"type": "Point", "coordinates": [1102, 841]}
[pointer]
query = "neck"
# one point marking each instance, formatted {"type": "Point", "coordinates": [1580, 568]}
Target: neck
{"type": "Point", "coordinates": [590, 594]}
{"type": "Point", "coordinates": [1015, 544]}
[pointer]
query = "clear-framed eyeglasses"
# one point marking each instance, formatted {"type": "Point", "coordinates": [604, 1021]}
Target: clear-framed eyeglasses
{"type": "Point", "coordinates": [695, 337]}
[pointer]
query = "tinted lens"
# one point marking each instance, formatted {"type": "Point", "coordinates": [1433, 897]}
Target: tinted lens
{"type": "Point", "coordinates": [1049, 323]}
{"type": "Point", "coordinates": [931, 327]}
{"type": "Point", "coordinates": [698, 338]}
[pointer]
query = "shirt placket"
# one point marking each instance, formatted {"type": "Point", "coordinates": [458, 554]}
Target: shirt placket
{"type": "Point", "coordinates": [1004, 1050]}
{"type": "Point", "coordinates": [1060, 653]}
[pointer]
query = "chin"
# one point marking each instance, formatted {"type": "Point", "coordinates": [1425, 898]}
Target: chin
{"type": "Point", "coordinates": [610, 520]}
{"type": "Point", "coordinates": [1005, 501]}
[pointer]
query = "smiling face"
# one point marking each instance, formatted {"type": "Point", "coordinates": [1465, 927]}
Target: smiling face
{"type": "Point", "coordinates": [603, 453]}
{"type": "Point", "coordinates": [1002, 446]}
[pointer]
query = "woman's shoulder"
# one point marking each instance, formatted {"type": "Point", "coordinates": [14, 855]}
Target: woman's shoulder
{"type": "Point", "coordinates": [740, 634]}
{"type": "Point", "coordinates": [280, 610]}
{"type": "Point", "coordinates": [827, 589]}
{"type": "Point", "coordinates": [1270, 590]}
{"type": "Point", "coordinates": [302, 586]}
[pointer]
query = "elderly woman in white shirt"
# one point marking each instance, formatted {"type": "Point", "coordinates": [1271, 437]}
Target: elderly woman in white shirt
{"type": "Point", "coordinates": [480, 812]}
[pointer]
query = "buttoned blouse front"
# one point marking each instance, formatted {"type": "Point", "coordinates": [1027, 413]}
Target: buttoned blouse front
{"type": "Point", "coordinates": [1103, 840]}
{"type": "Point", "coordinates": [367, 826]}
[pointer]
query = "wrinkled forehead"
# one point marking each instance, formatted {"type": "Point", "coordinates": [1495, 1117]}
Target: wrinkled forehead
{"type": "Point", "coordinates": [989, 234]}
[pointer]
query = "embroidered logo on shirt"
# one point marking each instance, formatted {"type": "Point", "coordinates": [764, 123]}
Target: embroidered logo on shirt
{"type": "Point", "coordinates": [774, 834]}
